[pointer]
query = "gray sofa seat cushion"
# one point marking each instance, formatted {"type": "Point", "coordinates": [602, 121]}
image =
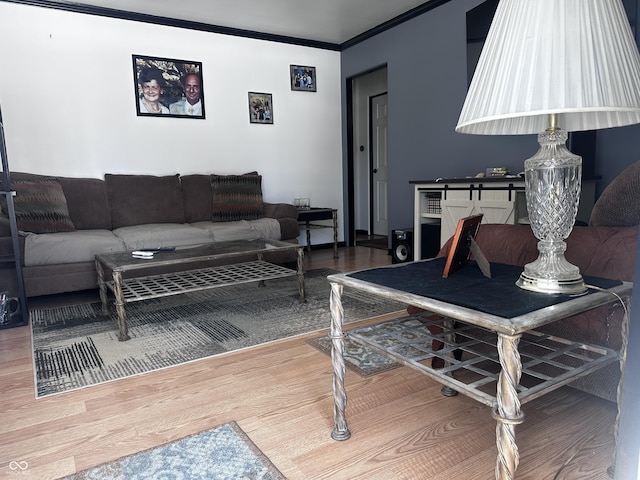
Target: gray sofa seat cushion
{"type": "Point", "coordinates": [228, 231]}
{"type": "Point", "coordinates": [144, 199]}
{"type": "Point", "coordinates": [268, 228]}
{"type": "Point", "coordinates": [137, 237]}
{"type": "Point", "coordinates": [69, 247]}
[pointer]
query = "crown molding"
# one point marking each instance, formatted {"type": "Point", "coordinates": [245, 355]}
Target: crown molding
{"type": "Point", "coordinates": [172, 22]}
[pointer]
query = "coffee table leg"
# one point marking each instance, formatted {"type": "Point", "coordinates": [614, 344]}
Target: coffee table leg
{"type": "Point", "coordinates": [301, 275]}
{"type": "Point", "coordinates": [102, 286]}
{"type": "Point", "coordinates": [507, 411]}
{"type": "Point", "coordinates": [449, 324]}
{"type": "Point", "coordinates": [123, 329]}
{"type": "Point", "coordinates": [341, 430]}
{"type": "Point", "coordinates": [624, 333]}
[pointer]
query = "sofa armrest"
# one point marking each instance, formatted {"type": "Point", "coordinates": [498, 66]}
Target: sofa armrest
{"type": "Point", "coordinates": [6, 247]}
{"type": "Point", "coordinates": [5, 228]}
{"type": "Point", "coordinates": [280, 210]}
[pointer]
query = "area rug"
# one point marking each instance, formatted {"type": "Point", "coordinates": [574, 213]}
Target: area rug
{"type": "Point", "coordinates": [358, 358]}
{"type": "Point", "coordinates": [77, 346]}
{"type": "Point", "coordinates": [225, 452]}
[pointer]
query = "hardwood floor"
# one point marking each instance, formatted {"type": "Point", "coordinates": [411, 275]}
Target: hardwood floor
{"type": "Point", "coordinates": [280, 395]}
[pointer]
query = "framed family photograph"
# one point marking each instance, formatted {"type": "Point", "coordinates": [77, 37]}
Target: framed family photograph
{"type": "Point", "coordinates": [303, 79]}
{"type": "Point", "coordinates": [260, 108]}
{"type": "Point", "coordinates": [166, 87]}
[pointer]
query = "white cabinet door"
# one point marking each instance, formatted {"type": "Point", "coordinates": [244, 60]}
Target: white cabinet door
{"type": "Point", "coordinates": [493, 211]}
{"type": "Point", "coordinates": [452, 211]}
{"type": "Point", "coordinates": [496, 211]}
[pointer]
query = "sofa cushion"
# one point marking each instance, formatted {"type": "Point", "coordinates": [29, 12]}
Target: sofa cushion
{"type": "Point", "coordinates": [228, 231]}
{"type": "Point", "coordinates": [619, 203]}
{"type": "Point", "coordinates": [268, 228]}
{"type": "Point", "coordinates": [196, 195]}
{"type": "Point", "coordinates": [40, 206]}
{"type": "Point", "coordinates": [87, 202]}
{"type": "Point", "coordinates": [236, 197]}
{"type": "Point", "coordinates": [69, 247]}
{"type": "Point", "coordinates": [143, 199]}
{"type": "Point", "coordinates": [137, 237]}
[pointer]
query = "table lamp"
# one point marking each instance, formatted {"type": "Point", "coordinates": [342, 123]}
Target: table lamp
{"type": "Point", "coordinates": [551, 67]}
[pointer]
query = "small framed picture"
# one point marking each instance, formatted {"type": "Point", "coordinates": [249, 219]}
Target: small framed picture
{"type": "Point", "coordinates": [166, 87]}
{"type": "Point", "coordinates": [460, 250]}
{"type": "Point", "coordinates": [260, 108]}
{"type": "Point", "coordinates": [303, 79]}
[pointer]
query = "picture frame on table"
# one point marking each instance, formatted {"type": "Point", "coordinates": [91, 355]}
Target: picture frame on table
{"type": "Point", "coordinates": [303, 79]}
{"type": "Point", "coordinates": [261, 108]}
{"type": "Point", "coordinates": [167, 87]}
{"type": "Point", "coordinates": [460, 250]}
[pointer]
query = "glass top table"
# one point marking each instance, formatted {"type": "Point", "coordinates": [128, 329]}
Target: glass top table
{"type": "Point", "coordinates": [190, 268]}
{"type": "Point", "coordinates": [505, 360]}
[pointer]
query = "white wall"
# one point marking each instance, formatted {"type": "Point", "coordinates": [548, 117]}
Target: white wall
{"type": "Point", "coordinates": [68, 105]}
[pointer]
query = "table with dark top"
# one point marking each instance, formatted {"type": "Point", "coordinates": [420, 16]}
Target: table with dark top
{"type": "Point", "coordinates": [308, 215]}
{"type": "Point", "coordinates": [505, 361]}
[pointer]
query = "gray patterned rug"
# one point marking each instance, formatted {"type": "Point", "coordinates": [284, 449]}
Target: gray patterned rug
{"type": "Point", "coordinates": [358, 358]}
{"type": "Point", "coordinates": [220, 454]}
{"type": "Point", "coordinates": [76, 346]}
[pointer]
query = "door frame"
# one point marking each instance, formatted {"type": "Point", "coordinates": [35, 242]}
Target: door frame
{"type": "Point", "coordinates": [349, 167]}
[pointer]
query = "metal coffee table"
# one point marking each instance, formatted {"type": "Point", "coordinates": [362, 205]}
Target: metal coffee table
{"type": "Point", "coordinates": [497, 334]}
{"type": "Point", "coordinates": [131, 281]}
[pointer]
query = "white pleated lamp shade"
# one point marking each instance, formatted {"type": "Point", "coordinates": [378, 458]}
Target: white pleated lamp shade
{"type": "Point", "coordinates": [574, 58]}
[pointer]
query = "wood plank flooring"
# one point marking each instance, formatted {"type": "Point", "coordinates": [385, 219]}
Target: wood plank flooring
{"type": "Point", "coordinates": [280, 394]}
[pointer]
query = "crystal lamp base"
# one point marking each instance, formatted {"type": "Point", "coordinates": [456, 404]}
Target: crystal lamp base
{"type": "Point", "coordinates": [551, 272]}
{"type": "Point", "coordinates": [552, 187]}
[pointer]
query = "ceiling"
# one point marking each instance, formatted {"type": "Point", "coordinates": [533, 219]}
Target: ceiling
{"type": "Point", "coordinates": [332, 22]}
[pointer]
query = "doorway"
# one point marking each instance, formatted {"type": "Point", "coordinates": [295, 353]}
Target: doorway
{"type": "Point", "coordinates": [367, 161]}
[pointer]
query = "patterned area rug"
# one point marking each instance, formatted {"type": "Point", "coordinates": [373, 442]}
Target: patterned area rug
{"type": "Point", "coordinates": [219, 454]}
{"type": "Point", "coordinates": [76, 346]}
{"type": "Point", "coordinates": [358, 358]}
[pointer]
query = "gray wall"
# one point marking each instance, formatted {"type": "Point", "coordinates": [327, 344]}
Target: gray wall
{"type": "Point", "coordinates": [427, 83]}
{"type": "Point", "coordinates": [426, 61]}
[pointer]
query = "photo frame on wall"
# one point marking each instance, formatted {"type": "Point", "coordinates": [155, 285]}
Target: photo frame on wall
{"type": "Point", "coordinates": [260, 108]}
{"type": "Point", "coordinates": [303, 79]}
{"type": "Point", "coordinates": [166, 87]}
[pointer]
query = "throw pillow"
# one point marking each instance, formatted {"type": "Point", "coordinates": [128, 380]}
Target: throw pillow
{"type": "Point", "coordinates": [40, 206]}
{"type": "Point", "coordinates": [237, 197]}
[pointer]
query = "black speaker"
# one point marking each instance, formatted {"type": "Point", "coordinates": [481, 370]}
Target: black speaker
{"type": "Point", "coordinates": [402, 245]}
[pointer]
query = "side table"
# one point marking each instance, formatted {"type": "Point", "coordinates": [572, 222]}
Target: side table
{"type": "Point", "coordinates": [308, 215]}
{"type": "Point", "coordinates": [498, 336]}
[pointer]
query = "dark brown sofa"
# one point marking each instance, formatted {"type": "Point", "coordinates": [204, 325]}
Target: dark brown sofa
{"type": "Point", "coordinates": [129, 212]}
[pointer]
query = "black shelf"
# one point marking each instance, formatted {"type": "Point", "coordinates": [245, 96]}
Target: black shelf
{"type": "Point", "coordinates": [15, 308]}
